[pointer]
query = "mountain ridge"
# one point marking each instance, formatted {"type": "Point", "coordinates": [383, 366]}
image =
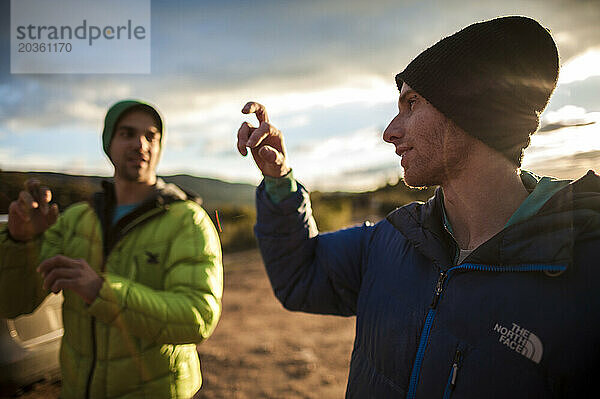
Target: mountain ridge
{"type": "Point", "coordinates": [214, 192]}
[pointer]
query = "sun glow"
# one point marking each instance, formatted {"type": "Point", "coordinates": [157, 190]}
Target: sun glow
{"type": "Point", "coordinates": [581, 67]}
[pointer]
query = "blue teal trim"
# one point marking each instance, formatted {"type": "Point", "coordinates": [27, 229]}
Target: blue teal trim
{"type": "Point", "coordinates": [448, 390]}
{"type": "Point", "coordinates": [447, 221]}
{"type": "Point", "coordinates": [510, 268]}
{"type": "Point", "coordinates": [416, 371]}
{"type": "Point", "coordinates": [544, 189]}
{"type": "Point", "coordinates": [541, 190]}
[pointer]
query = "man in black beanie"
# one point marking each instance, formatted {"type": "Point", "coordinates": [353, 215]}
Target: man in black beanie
{"type": "Point", "coordinates": [487, 289]}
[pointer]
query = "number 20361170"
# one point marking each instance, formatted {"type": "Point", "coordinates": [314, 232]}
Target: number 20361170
{"type": "Point", "coordinates": [45, 47]}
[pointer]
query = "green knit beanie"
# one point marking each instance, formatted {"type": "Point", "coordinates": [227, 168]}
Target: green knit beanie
{"type": "Point", "coordinates": [114, 114]}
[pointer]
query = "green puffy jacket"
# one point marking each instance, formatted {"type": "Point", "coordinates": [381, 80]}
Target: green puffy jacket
{"type": "Point", "coordinates": [161, 295]}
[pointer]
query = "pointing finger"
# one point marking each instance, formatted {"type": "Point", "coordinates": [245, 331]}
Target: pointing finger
{"type": "Point", "coordinates": [263, 131]}
{"type": "Point", "coordinates": [32, 186]}
{"type": "Point", "coordinates": [56, 261]}
{"type": "Point", "coordinates": [243, 133]}
{"type": "Point", "coordinates": [61, 284]}
{"type": "Point", "coordinates": [258, 109]}
{"type": "Point", "coordinates": [52, 214]}
{"type": "Point", "coordinates": [45, 195]}
{"type": "Point", "coordinates": [59, 273]}
{"type": "Point", "coordinates": [26, 203]}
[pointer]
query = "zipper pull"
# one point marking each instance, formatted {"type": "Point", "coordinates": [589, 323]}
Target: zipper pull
{"type": "Point", "coordinates": [454, 369]}
{"type": "Point", "coordinates": [439, 287]}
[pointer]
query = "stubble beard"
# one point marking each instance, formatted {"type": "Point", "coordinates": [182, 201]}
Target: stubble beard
{"type": "Point", "coordinates": [134, 175]}
{"type": "Point", "coordinates": [445, 158]}
{"type": "Point", "coordinates": [423, 178]}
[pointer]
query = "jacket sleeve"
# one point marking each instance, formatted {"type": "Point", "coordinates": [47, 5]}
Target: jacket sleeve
{"type": "Point", "coordinates": [310, 272]}
{"type": "Point", "coordinates": [21, 290]}
{"type": "Point", "coordinates": [188, 308]}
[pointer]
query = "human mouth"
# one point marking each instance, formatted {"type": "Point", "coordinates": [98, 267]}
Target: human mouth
{"type": "Point", "coordinates": [138, 161]}
{"type": "Point", "coordinates": [402, 150]}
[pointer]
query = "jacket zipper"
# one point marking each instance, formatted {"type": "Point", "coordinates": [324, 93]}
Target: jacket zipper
{"type": "Point", "coordinates": [414, 377]}
{"type": "Point", "coordinates": [453, 373]}
{"type": "Point", "coordinates": [123, 231]}
{"type": "Point", "coordinates": [439, 288]}
{"type": "Point", "coordinates": [89, 381]}
{"type": "Point", "coordinates": [94, 349]}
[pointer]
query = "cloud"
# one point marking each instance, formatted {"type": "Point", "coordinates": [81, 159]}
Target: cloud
{"type": "Point", "coordinates": [570, 166]}
{"type": "Point", "coordinates": [49, 103]}
{"type": "Point", "coordinates": [324, 68]}
{"type": "Point", "coordinates": [13, 160]}
{"type": "Point", "coordinates": [358, 180]}
{"type": "Point", "coordinates": [568, 116]}
{"type": "Point", "coordinates": [358, 160]}
{"type": "Point", "coordinates": [581, 67]}
{"type": "Point", "coordinates": [555, 126]}
{"type": "Point", "coordinates": [583, 94]}
{"type": "Point", "coordinates": [566, 153]}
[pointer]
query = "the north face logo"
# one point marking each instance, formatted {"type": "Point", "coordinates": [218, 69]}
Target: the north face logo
{"type": "Point", "coordinates": [521, 341]}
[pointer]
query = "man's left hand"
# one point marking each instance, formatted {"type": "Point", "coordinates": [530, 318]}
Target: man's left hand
{"type": "Point", "coordinates": [61, 272]}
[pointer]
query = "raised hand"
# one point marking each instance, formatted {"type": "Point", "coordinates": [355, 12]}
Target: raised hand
{"type": "Point", "coordinates": [61, 272]}
{"type": "Point", "coordinates": [265, 142]}
{"type": "Point", "coordinates": [31, 214]}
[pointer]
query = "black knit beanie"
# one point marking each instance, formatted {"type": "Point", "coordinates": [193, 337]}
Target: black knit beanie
{"type": "Point", "coordinates": [492, 78]}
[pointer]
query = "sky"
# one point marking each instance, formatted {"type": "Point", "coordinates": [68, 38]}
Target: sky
{"type": "Point", "coordinates": [324, 70]}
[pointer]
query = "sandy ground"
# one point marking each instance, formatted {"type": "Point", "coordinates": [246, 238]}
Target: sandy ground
{"type": "Point", "coordinates": [260, 350]}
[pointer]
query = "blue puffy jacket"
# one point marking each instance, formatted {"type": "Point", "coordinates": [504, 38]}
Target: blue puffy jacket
{"type": "Point", "coordinates": [518, 318]}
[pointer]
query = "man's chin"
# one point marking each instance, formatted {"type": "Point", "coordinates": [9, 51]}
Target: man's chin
{"type": "Point", "coordinates": [136, 175]}
{"type": "Point", "coordinates": [418, 182]}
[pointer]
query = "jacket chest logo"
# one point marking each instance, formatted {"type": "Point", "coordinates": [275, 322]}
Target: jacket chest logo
{"type": "Point", "coordinates": [520, 340]}
{"type": "Point", "coordinates": [151, 258]}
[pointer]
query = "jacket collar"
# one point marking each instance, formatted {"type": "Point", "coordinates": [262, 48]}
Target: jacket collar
{"type": "Point", "coordinates": [548, 237]}
{"type": "Point", "coordinates": [158, 201]}
{"type": "Point", "coordinates": [422, 225]}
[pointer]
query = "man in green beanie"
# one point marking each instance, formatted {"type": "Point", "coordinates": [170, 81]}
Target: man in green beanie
{"type": "Point", "coordinates": [139, 266]}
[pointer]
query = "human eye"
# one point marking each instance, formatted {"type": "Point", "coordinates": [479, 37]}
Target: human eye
{"type": "Point", "coordinates": [126, 132]}
{"type": "Point", "coordinates": [152, 136]}
{"type": "Point", "coordinates": [411, 101]}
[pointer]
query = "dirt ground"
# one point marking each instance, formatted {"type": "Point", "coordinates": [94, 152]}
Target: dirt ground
{"type": "Point", "coordinates": [260, 350]}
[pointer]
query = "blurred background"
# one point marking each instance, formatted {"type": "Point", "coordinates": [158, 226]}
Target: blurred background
{"type": "Point", "coordinates": [325, 70]}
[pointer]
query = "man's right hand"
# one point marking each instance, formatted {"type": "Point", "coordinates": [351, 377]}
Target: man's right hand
{"type": "Point", "coordinates": [31, 214]}
{"type": "Point", "coordinates": [265, 142]}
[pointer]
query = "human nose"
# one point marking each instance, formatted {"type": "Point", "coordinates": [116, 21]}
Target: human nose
{"type": "Point", "coordinates": [141, 143]}
{"type": "Point", "coordinates": [392, 131]}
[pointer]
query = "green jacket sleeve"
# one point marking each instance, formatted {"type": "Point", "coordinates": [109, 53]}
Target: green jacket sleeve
{"type": "Point", "coordinates": [188, 308]}
{"type": "Point", "coordinates": [21, 290]}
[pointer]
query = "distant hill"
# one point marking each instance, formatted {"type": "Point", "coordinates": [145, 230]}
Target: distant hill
{"type": "Point", "coordinates": [70, 188]}
{"type": "Point", "coordinates": [234, 202]}
{"type": "Point", "coordinates": [215, 192]}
